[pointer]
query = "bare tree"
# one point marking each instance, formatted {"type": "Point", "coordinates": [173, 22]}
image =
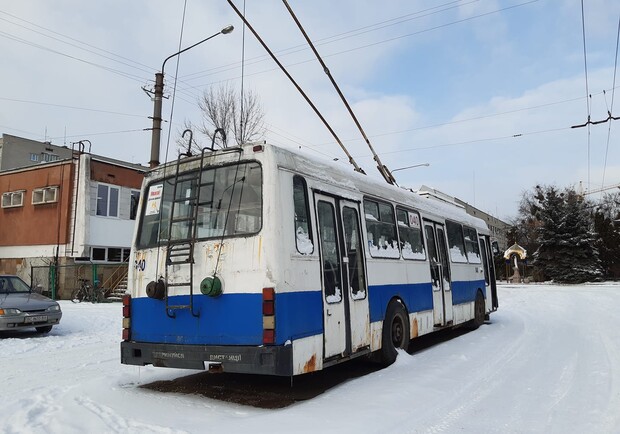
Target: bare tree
{"type": "Point", "coordinates": [221, 108]}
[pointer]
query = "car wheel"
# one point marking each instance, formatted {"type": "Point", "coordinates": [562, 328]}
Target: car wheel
{"type": "Point", "coordinates": [44, 329]}
{"type": "Point", "coordinates": [395, 332]}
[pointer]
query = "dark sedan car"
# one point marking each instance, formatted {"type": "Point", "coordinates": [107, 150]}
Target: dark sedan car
{"type": "Point", "coordinates": [21, 307]}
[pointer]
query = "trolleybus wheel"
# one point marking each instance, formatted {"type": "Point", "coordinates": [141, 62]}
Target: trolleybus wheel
{"type": "Point", "coordinates": [395, 332]}
{"type": "Point", "coordinates": [478, 311]}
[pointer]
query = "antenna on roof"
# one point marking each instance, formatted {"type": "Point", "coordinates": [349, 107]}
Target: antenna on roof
{"type": "Point", "coordinates": [385, 172]}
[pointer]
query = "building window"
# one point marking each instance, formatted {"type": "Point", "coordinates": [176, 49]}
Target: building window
{"type": "Point", "coordinates": [44, 195]}
{"type": "Point", "coordinates": [47, 157]}
{"type": "Point", "coordinates": [98, 254]}
{"type": "Point", "coordinates": [13, 199]}
{"type": "Point", "coordinates": [107, 200]}
{"type": "Point", "coordinates": [34, 157]}
{"type": "Point", "coordinates": [109, 254]}
{"type": "Point", "coordinates": [133, 206]}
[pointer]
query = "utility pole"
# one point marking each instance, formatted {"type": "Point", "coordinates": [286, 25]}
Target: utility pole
{"type": "Point", "coordinates": [156, 134]}
{"type": "Point", "coordinates": [158, 96]}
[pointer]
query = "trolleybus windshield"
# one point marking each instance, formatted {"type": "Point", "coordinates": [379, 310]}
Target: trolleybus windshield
{"type": "Point", "coordinates": [222, 202]}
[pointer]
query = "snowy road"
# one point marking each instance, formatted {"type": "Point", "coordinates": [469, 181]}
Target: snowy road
{"type": "Point", "coordinates": [548, 362]}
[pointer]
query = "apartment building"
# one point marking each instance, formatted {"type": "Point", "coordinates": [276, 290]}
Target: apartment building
{"type": "Point", "coordinates": [79, 210]}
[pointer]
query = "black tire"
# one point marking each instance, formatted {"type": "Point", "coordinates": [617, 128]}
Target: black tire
{"type": "Point", "coordinates": [479, 311]}
{"type": "Point", "coordinates": [395, 332]}
{"type": "Point", "coordinates": [44, 329]}
{"type": "Point", "coordinates": [77, 296]}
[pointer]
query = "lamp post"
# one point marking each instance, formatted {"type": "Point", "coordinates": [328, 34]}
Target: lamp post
{"type": "Point", "coordinates": [159, 94]}
{"type": "Point", "coordinates": [411, 167]}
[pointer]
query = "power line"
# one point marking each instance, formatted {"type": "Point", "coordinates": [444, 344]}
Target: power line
{"type": "Point", "coordinates": [467, 142]}
{"type": "Point", "coordinates": [149, 69]}
{"type": "Point", "coordinates": [585, 65]}
{"type": "Point", "coordinates": [611, 109]}
{"type": "Point", "coordinates": [384, 41]}
{"type": "Point", "coordinates": [42, 47]}
{"type": "Point", "coordinates": [101, 133]}
{"type": "Point", "coordinates": [383, 170]}
{"type": "Point", "coordinates": [70, 107]}
{"type": "Point", "coordinates": [334, 38]}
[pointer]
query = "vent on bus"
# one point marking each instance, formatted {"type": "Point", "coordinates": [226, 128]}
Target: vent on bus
{"type": "Point", "coordinates": [269, 319]}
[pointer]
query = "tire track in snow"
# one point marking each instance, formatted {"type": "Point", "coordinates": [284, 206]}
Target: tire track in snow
{"type": "Point", "coordinates": [113, 422]}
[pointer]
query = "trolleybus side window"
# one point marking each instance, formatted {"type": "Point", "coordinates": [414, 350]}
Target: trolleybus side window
{"type": "Point", "coordinates": [303, 233]}
{"type": "Point", "coordinates": [410, 234]}
{"type": "Point", "coordinates": [330, 251]}
{"type": "Point", "coordinates": [471, 245]}
{"type": "Point", "coordinates": [455, 242]}
{"type": "Point", "coordinates": [381, 229]}
{"type": "Point", "coordinates": [229, 203]}
{"type": "Point", "coordinates": [353, 244]}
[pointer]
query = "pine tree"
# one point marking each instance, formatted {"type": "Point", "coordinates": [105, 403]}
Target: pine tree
{"type": "Point", "coordinates": [567, 251]}
{"type": "Point", "coordinates": [608, 243]}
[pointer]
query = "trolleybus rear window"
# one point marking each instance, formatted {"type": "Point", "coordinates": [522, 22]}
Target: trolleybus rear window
{"type": "Point", "coordinates": [222, 202]}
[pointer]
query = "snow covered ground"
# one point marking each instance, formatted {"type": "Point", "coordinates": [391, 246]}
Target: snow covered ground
{"type": "Point", "coordinates": [548, 362]}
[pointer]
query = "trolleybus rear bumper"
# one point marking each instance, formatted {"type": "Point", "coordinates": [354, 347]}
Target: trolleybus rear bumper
{"type": "Point", "coordinates": [270, 360]}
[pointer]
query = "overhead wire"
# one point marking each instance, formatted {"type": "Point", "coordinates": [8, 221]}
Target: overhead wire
{"type": "Point", "coordinates": [384, 41]}
{"type": "Point", "coordinates": [174, 89]}
{"type": "Point", "coordinates": [334, 38]}
{"type": "Point", "coordinates": [299, 89]}
{"type": "Point", "coordinates": [385, 172]}
{"type": "Point", "coordinates": [585, 65]}
{"type": "Point", "coordinates": [150, 69]}
{"type": "Point", "coordinates": [71, 107]}
{"type": "Point", "coordinates": [611, 108]}
{"type": "Point", "coordinates": [42, 47]}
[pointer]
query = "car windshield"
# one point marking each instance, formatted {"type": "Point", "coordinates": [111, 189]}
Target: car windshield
{"type": "Point", "coordinates": [12, 284]}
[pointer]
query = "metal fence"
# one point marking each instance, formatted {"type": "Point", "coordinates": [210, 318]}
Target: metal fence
{"type": "Point", "coordinates": [59, 281]}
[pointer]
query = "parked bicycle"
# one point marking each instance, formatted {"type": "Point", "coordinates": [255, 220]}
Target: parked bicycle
{"type": "Point", "coordinates": [88, 292]}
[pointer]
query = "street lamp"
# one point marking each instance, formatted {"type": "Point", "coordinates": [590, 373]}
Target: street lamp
{"type": "Point", "coordinates": [411, 167]}
{"type": "Point", "coordinates": [159, 94]}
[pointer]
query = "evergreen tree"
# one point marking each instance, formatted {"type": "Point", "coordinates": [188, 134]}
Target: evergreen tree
{"type": "Point", "coordinates": [608, 242]}
{"type": "Point", "coordinates": [566, 251]}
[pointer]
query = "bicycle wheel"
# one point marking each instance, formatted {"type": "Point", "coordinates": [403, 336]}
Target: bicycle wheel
{"type": "Point", "coordinates": [77, 296]}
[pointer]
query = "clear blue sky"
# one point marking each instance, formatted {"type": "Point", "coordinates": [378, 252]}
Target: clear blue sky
{"type": "Point", "coordinates": [450, 83]}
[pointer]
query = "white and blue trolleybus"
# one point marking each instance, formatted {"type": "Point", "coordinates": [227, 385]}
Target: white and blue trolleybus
{"type": "Point", "coordinates": [255, 259]}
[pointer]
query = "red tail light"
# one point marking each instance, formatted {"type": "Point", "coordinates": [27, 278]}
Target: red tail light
{"type": "Point", "coordinates": [269, 336]}
{"type": "Point", "coordinates": [269, 320]}
{"type": "Point", "coordinates": [126, 317]}
{"type": "Point", "coordinates": [126, 306]}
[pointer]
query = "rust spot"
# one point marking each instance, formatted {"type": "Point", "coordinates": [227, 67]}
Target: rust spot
{"type": "Point", "coordinates": [310, 365]}
{"type": "Point", "coordinates": [414, 328]}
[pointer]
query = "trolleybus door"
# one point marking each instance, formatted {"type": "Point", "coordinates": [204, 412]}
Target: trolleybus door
{"type": "Point", "coordinates": [440, 273]}
{"type": "Point", "coordinates": [489, 270]}
{"type": "Point", "coordinates": [354, 266]}
{"type": "Point", "coordinates": [346, 315]}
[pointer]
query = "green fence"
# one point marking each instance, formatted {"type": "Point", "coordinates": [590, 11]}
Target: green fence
{"type": "Point", "coordinates": [59, 281]}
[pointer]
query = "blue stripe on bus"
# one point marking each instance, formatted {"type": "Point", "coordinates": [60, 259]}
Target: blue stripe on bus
{"type": "Point", "coordinates": [416, 296]}
{"type": "Point", "coordinates": [237, 319]}
{"type": "Point", "coordinates": [230, 319]}
{"type": "Point", "coordinates": [465, 291]}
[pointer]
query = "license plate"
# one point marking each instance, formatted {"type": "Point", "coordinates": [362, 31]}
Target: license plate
{"type": "Point", "coordinates": [38, 318]}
